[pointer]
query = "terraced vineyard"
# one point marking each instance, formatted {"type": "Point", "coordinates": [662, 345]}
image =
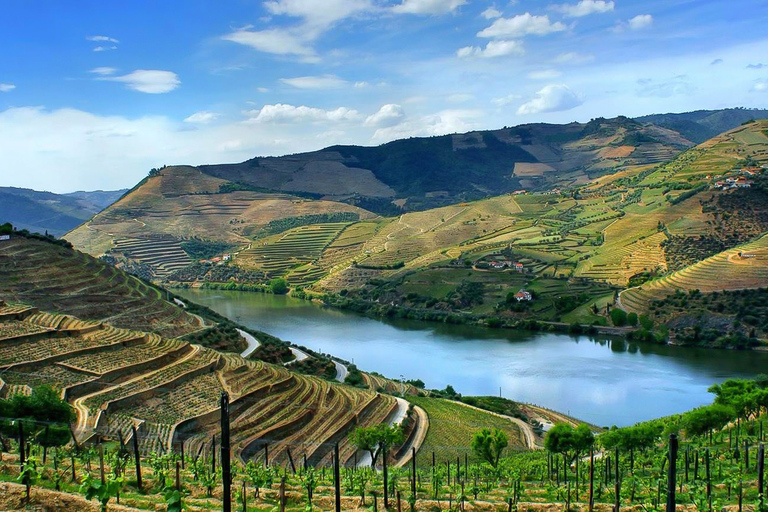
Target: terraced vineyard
{"type": "Point", "coordinates": [739, 268]}
{"type": "Point", "coordinates": [54, 278]}
{"type": "Point", "coordinates": [169, 390]}
{"type": "Point", "coordinates": [163, 255]}
{"type": "Point", "coordinates": [294, 248]}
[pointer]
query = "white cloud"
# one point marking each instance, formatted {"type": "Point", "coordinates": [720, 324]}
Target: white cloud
{"type": "Point", "coordinates": [459, 98]}
{"type": "Point", "coordinates": [150, 81]}
{"type": "Point", "coordinates": [104, 48]}
{"type": "Point", "coordinates": [283, 113]}
{"type": "Point", "coordinates": [262, 89]}
{"type": "Point", "coordinates": [760, 87]}
{"type": "Point", "coordinates": [441, 123]}
{"type": "Point", "coordinates": [491, 13]}
{"type": "Point", "coordinates": [573, 58]}
{"type": "Point", "coordinates": [641, 21]}
{"type": "Point", "coordinates": [428, 6]}
{"type": "Point", "coordinates": [103, 71]}
{"type": "Point", "coordinates": [275, 41]}
{"type": "Point", "coordinates": [544, 74]}
{"type": "Point", "coordinates": [318, 14]}
{"type": "Point", "coordinates": [499, 48]}
{"type": "Point", "coordinates": [388, 115]}
{"type": "Point", "coordinates": [584, 8]}
{"type": "Point", "coordinates": [520, 26]}
{"type": "Point", "coordinates": [102, 39]}
{"type": "Point", "coordinates": [552, 98]}
{"type": "Point", "coordinates": [202, 117]}
{"type": "Point", "coordinates": [506, 100]}
{"type": "Point", "coordinates": [7, 87]}
{"type": "Point", "coordinates": [315, 82]}
{"type": "Point", "coordinates": [362, 85]}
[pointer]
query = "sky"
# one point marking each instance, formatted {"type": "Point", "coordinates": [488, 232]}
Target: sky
{"type": "Point", "coordinates": [93, 94]}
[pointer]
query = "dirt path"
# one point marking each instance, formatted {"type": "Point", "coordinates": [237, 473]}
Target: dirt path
{"type": "Point", "coordinates": [12, 496]}
{"type": "Point", "coordinates": [528, 434]}
{"type": "Point", "coordinates": [253, 343]}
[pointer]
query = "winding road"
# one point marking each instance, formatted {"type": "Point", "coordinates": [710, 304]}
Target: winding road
{"type": "Point", "coordinates": [253, 343]}
{"type": "Point", "coordinates": [341, 371]}
{"type": "Point", "coordinates": [528, 433]}
{"type": "Point", "coordinates": [396, 417]}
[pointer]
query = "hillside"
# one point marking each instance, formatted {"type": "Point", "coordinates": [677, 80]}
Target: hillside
{"type": "Point", "coordinates": [54, 278]}
{"type": "Point", "coordinates": [169, 390]}
{"type": "Point", "coordinates": [54, 213]}
{"type": "Point", "coordinates": [420, 173]}
{"type": "Point", "coordinates": [701, 125]}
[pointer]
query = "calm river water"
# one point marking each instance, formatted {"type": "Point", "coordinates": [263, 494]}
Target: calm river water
{"type": "Point", "coordinates": [598, 380]}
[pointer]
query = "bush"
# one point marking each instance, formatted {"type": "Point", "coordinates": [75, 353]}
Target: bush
{"type": "Point", "coordinates": [632, 319]}
{"type": "Point", "coordinates": [618, 317]}
{"type": "Point", "coordinates": [278, 286]}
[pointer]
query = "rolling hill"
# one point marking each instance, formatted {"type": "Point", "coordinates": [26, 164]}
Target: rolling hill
{"type": "Point", "coordinates": [48, 212]}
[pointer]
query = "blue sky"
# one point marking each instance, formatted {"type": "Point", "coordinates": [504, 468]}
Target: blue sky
{"type": "Point", "coordinates": [94, 93]}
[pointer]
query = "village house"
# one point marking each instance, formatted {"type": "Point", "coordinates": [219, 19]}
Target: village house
{"type": "Point", "coordinates": [226, 257]}
{"type": "Point", "coordinates": [523, 295]}
{"type": "Point", "coordinates": [519, 267]}
{"type": "Point", "coordinates": [497, 264]}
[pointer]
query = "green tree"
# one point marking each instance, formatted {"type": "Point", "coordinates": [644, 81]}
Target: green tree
{"type": "Point", "coordinates": [489, 444]}
{"type": "Point", "coordinates": [278, 286]}
{"type": "Point", "coordinates": [43, 415]}
{"type": "Point", "coordinates": [618, 317]}
{"type": "Point", "coordinates": [706, 419]}
{"type": "Point", "coordinates": [376, 439]}
{"type": "Point", "coordinates": [632, 319]}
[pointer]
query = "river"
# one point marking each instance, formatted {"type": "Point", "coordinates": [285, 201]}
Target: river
{"type": "Point", "coordinates": [606, 382]}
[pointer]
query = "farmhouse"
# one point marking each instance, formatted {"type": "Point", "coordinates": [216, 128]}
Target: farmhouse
{"type": "Point", "coordinates": [226, 257]}
{"type": "Point", "coordinates": [519, 267]}
{"type": "Point", "coordinates": [523, 295]}
{"type": "Point", "coordinates": [743, 182]}
{"type": "Point", "coordinates": [498, 264]}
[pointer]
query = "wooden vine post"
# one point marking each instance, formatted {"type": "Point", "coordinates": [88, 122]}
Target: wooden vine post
{"type": "Point", "coordinates": [336, 477]}
{"type": "Point", "coordinates": [226, 475]}
{"type": "Point", "coordinates": [671, 473]}
{"type": "Point", "coordinates": [617, 484]}
{"type": "Point", "coordinates": [386, 478]}
{"type": "Point", "coordinates": [413, 477]}
{"type": "Point", "coordinates": [591, 479]}
{"type": "Point", "coordinates": [136, 456]}
{"type": "Point", "coordinates": [760, 471]}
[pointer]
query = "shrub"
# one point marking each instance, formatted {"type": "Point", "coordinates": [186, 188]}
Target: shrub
{"type": "Point", "coordinates": [618, 317]}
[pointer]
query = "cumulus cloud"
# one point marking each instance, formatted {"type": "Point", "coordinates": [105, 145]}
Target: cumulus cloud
{"type": "Point", "coordinates": [7, 87]}
{"type": "Point", "coordinates": [202, 117]}
{"type": "Point", "coordinates": [150, 81]}
{"type": "Point", "coordinates": [552, 98]}
{"type": "Point", "coordinates": [499, 48]}
{"type": "Point", "coordinates": [441, 123]}
{"type": "Point", "coordinates": [103, 71]}
{"type": "Point", "coordinates": [102, 39]}
{"type": "Point", "coordinates": [520, 26]}
{"type": "Point", "coordinates": [584, 8]}
{"type": "Point", "coordinates": [641, 21]}
{"type": "Point", "coordinates": [573, 58]}
{"type": "Point", "coordinates": [491, 13]}
{"type": "Point", "coordinates": [275, 41]}
{"type": "Point", "coordinates": [315, 82]}
{"type": "Point", "coordinates": [428, 6]}
{"type": "Point", "coordinates": [544, 74]}
{"type": "Point", "coordinates": [506, 100]}
{"type": "Point", "coordinates": [284, 113]}
{"type": "Point", "coordinates": [387, 116]}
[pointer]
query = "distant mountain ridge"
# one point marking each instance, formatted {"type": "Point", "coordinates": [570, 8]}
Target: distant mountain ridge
{"type": "Point", "coordinates": [701, 125]}
{"type": "Point", "coordinates": [55, 213]}
{"type": "Point", "coordinates": [425, 172]}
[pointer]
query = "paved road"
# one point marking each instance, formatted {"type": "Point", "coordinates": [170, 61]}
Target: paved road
{"type": "Point", "coordinates": [300, 355]}
{"type": "Point", "coordinates": [528, 434]}
{"type": "Point", "coordinates": [395, 418]}
{"type": "Point", "coordinates": [253, 343]}
{"type": "Point", "coordinates": [341, 371]}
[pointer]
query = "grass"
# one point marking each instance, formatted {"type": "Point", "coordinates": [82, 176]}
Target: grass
{"type": "Point", "coordinates": [451, 427]}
